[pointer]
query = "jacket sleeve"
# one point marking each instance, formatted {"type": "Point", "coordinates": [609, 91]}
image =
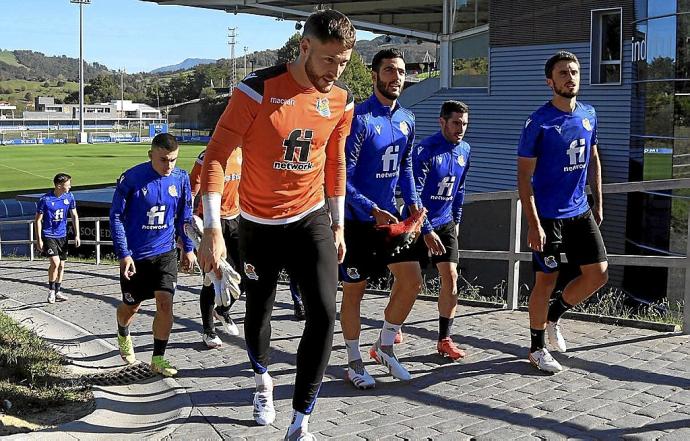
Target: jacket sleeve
{"type": "Point", "coordinates": [184, 213]}
{"type": "Point", "coordinates": [117, 210]}
{"type": "Point", "coordinates": [407, 185]}
{"type": "Point", "coordinates": [460, 194]}
{"type": "Point", "coordinates": [420, 169]}
{"type": "Point", "coordinates": [353, 145]}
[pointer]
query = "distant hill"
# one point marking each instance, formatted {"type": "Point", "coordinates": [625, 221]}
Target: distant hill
{"type": "Point", "coordinates": [36, 66]}
{"type": "Point", "coordinates": [414, 53]}
{"type": "Point", "coordinates": [187, 64]}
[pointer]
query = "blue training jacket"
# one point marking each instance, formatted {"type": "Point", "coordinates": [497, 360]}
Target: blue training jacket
{"type": "Point", "coordinates": [378, 155]}
{"type": "Point", "coordinates": [440, 169]}
{"type": "Point", "coordinates": [149, 211]}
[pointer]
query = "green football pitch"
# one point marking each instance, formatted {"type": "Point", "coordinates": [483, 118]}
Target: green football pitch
{"type": "Point", "coordinates": [32, 167]}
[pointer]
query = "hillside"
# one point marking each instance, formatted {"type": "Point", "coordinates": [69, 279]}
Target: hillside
{"type": "Point", "coordinates": [36, 66]}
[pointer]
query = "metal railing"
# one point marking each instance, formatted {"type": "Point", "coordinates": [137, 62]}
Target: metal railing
{"type": "Point", "coordinates": [32, 240]}
{"type": "Point", "coordinates": [513, 255]}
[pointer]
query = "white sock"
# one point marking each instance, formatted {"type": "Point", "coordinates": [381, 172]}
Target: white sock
{"type": "Point", "coordinates": [264, 380]}
{"type": "Point", "coordinates": [388, 333]}
{"type": "Point", "coordinates": [299, 421]}
{"type": "Point", "coordinates": [353, 350]}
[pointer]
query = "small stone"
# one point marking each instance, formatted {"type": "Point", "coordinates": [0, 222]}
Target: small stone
{"type": "Point", "coordinates": [7, 405]}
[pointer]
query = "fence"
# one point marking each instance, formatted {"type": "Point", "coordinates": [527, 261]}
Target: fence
{"type": "Point", "coordinates": [513, 255]}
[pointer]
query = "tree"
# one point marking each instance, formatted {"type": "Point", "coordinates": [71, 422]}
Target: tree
{"type": "Point", "coordinates": [290, 50]}
{"type": "Point", "coordinates": [357, 77]}
{"type": "Point", "coordinates": [102, 89]}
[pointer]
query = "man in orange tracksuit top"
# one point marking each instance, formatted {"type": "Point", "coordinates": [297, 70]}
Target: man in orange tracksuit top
{"type": "Point", "coordinates": [291, 121]}
{"type": "Point", "coordinates": [229, 219]}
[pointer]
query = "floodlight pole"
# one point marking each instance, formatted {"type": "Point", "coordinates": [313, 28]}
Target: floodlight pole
{"type": "Point", "coordinates": [81, 139]}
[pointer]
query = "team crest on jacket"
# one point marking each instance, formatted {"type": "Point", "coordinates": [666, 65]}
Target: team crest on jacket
{"type": "Point", "coordinates": [322, 107]}
{"type": "Point", "coordinates": [461, 161]}
{"type": "Point", "coordinates": [586, 124]}
{"type": "Point", "coordinates": [65, 201]}
{"type": "Point", "coordinates": [404, 128]}
{"type": "Point", "coordinates": [172, 190]}
{"type": "Point", "coordinates": [250, 271]}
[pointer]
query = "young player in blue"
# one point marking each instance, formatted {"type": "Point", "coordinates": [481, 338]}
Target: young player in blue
{"type": "Point", "coordinates": [151, 203]}
{"type": "Point", "coordinates": [51, 231]}
{"type": "Point", "coordinates": [378, 156]}
{"type": "Point", "coordinates": [557, 155]}
{"type": "Point", "coordinates": [440, 163]}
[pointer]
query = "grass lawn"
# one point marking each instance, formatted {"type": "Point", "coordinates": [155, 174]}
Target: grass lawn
{"type": "Point", "coordinates": [32, 167]}
{"type": "Point", "coordinates": [34, 382]}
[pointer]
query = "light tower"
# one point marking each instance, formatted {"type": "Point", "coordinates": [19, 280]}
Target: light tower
{"type": "Point", "coordinates": [81, 139]}
{"type": "Point", "coordinates": [233, 63]}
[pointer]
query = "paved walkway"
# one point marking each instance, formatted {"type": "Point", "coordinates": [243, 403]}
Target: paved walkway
{"type": "Point", "coordinates": [617, 383]}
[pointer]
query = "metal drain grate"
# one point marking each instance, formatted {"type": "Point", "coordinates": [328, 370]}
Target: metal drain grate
{"type": "Point", "coordinates": [122, 377]}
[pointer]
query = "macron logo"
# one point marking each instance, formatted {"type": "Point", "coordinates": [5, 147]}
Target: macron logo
{"type": "Point", "coordinates": [283, 101]}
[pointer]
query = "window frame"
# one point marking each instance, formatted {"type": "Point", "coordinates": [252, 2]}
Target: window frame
{"type": "Point", "coordinates": [596, 19]}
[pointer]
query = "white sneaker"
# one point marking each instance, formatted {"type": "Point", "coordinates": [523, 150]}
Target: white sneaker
{"type": "Point", "coordinates": [51, 296]}
{"type": "Point", "coordinates": [212, 340]}
{"type": "Point", "coordinates": [542, 360]}
{"type": "Point", "coordinates": [60, 297]}
{"type": "Point", "coordinates": [299, 435]}
{"type": "Point", "coordinates": [390, 361]}
{"type": "Point", "coordinates": [264, 412]}
{"type": "Point", "coordinates": [553, 331]}
{"type": "Point", "coordinates": [228, 325]}
{"type": "Point", "coordinates": [359, 376]}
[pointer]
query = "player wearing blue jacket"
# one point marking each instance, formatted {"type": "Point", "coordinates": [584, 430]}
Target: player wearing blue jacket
{"type": "Point", "coordinates": [378, 156]}
{"type": "Point", "coordinates": [440, 164]}
{"type": "Point", "coordinates": [151, 203]}
{"type": "Point", "coordinates": [51, 231]}
{"type": "Point", "coordinates": [557, 154]}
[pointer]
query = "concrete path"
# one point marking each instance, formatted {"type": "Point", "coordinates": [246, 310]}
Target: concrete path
{"type": "Point", "coordinates": [618, 382]}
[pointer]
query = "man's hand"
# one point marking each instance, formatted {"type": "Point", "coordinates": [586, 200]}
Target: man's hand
{"type": "Point", "coordinates": [382, 217]}
{"type": "Point", "coordinates": [187, 261]}
{"type": "Point", "coordinates": [127, 268]}
{"type": "Point", "coordinates": [433, 242]}
{"type": "Point", "coordinates": [212, 251]}
{"type": "Point", "coordinates": [536, 238]}
{"type": "Point", "coordinates": [339, 239]}
{"type": "Point", "coordinates": [598, 213]}
{"type": "Point", "coordinates": [39, 245]}
{"type": "Point", "coordinates": [77, 241]}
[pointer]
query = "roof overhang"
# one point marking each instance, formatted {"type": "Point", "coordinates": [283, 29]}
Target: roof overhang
{"type": "Point", "coordinates": [421, 19]}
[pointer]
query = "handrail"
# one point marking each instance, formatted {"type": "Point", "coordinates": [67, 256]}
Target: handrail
{"type": "Point", "coordinates": [513, 255]}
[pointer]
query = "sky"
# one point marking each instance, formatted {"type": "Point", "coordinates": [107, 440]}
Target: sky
{"type": "Point", "coordinates": [136, 35]}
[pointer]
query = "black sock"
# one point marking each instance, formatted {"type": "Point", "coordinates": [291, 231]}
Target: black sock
{"type": "Point", "coordinates": [122, 331]}
{"type": "Point", "coordinates": [537, 339]}
{"type": "Point", "coordinates": [159, 347]}
{"type": "Point", "coordinates": [557, 308]}
{"type": "Point", "coordinates": [444, 325]}
{"type": "Point", "coordinates": [51, 285]}
{"type": "Point", "coordinates": [206, 304]}
{"type": "Point", "coordinates": [57, 286]}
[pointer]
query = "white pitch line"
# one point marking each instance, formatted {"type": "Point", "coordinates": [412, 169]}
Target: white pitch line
{"type": "Point", "coordinates": [24, 171]}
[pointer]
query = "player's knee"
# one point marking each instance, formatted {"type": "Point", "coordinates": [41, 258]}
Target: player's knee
{"type": "Point", "coordinates": [164, 303]}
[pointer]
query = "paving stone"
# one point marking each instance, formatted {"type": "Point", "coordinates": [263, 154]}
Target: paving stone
{"type": "Point", "coordinates": [610, 388]}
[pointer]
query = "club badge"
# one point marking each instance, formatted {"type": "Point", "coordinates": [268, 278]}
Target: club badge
{"type": "Point", "coordinates": [322, 107]}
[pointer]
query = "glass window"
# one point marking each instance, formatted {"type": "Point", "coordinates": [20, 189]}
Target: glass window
{"type": "Point", "coordinates": [661, 48]}
{"type": "Point", "coordinates": [468, 14]}
{"type": "Point", "coordinates": [471, 61]}
{"type": "Point", "coordinates": [661, 7]}
{"type": "Point", "coordinates": [683, 47]}
{"type": "Point", "coordinates": [606, 46]}
{"type": "Point", "coordinates": [656, 99]}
